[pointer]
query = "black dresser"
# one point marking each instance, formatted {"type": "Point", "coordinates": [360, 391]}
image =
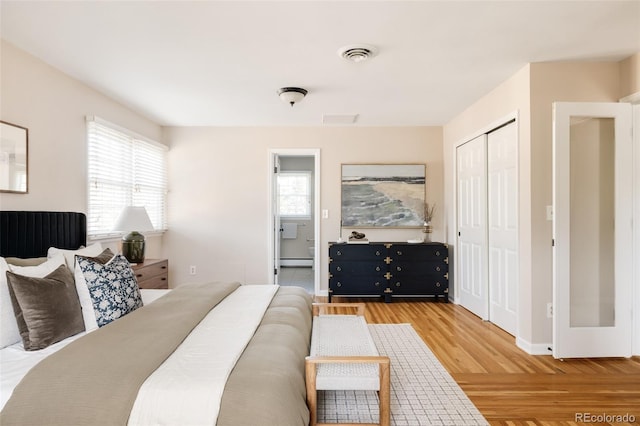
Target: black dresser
{"type": "Point", "coordinates": [388, 270]}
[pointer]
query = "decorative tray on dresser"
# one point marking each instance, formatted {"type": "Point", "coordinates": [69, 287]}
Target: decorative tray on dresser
{"type": "Point", "coordinates": [389, 270]}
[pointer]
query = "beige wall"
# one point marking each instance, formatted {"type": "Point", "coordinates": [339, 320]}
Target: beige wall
{"type": "Point", "coordinates": [630, 75]}
{"type": "Point", "coordinates": [531, 92]}
{"type": "Point", "coordinates": [53, 107]}
{"type": "Point", "coordinates": [512, 96]}
{"type": "Point", "coordinates": [551, 82]}
{"type": "Point", "coordinates": [219, 217]}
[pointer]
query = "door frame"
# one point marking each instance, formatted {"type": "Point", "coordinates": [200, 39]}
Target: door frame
{"type": "Point", "coordinates": [295, 152]}
{"type": "Point", "coordinates": [514, 115]}
{"type": "Point", "coordinates": [634, 100]}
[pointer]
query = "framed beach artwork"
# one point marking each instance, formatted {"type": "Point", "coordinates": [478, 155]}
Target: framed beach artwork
{"type": "Point", "coordinates": [383, 195]}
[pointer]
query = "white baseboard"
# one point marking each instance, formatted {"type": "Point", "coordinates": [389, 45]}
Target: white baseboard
{"type": "Point", "coordinates": [296, 262]}
{"type": "Point", "coordinates": [534, 348]}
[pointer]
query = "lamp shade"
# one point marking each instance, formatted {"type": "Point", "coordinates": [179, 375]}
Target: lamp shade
{"type": "Point", "coordinates": [133, 218]}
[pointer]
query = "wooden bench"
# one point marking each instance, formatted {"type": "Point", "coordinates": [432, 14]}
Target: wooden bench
{"type": "Point", "coordinates": [343, 356]}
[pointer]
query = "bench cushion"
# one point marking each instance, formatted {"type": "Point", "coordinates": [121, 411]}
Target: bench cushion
{"type": "Point", "coordinates": [344, 335]}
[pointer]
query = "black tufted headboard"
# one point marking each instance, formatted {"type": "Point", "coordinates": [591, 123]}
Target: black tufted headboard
{"type": "Point", "coordinates": [30, 234]}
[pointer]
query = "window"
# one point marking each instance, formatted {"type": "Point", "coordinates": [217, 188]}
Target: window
{"type": "Point", "coordinates": [294, 189]}
{"type": "Point", "coordinates": [124, 169]}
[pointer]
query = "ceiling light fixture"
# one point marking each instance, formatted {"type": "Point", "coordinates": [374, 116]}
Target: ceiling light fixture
{"type": "Point", "coordinates": [357, 52]}
{"type": "Point", "coordinates": [291, 95]}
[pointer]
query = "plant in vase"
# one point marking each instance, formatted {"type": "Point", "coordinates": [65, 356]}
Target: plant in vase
{"type": "Point", "coordinates": [428, 217]}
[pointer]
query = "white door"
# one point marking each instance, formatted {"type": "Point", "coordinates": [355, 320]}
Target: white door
{"type": "Point", "coordinates": [592, 230]}
{"type": "Point", "coordinates": [502, 195]}
{"type": "Point", "coordinates": [471, 160]}
{"type": "Point", "coordinates": [277, 225]}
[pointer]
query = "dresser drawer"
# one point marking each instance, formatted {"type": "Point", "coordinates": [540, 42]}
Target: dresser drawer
{"type": "Point", "coordinates": [418, 268]}
{"type": "Point", "coordinates": [159, 281]}
{"type": "Point", "coordinates": [363, 285]}
{"type": "Point", "coordinates": [339, 252]}
{"type": "Point", "coordinates": [153, 273]}
{"type": "Point", "coordinates": [358, 268]}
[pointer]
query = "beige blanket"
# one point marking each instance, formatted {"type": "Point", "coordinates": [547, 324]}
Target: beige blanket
{"type": "Point", "coordinates": [267, 387]}
{"type": "Point", "coordinates": [95, 380]}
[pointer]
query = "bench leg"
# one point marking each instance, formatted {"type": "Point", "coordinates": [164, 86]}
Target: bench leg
{"type": "Point", "coordinates": [385, 394]}
{"type": "Point", "coordinates": [312, 393]}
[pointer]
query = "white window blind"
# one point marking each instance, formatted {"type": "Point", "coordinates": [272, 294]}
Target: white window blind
{"type": "Point", "coordinates": [124, 169]}
{"type": "Point", "coordinates": [295, 194]}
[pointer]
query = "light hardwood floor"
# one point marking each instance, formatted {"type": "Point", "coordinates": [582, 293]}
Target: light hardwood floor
{"type": "Point", "coordinates": [508, 386]}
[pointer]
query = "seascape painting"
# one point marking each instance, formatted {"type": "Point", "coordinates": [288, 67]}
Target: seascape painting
{"type": "Point", "coordinates": [383, 195]}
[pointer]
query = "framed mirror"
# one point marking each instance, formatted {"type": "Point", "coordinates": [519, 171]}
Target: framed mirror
{"type": "Point", "coordinates": [14, 158]}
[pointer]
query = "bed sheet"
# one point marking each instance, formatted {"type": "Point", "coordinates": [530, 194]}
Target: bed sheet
{"type": "Point", "coordinates": [15, 362]}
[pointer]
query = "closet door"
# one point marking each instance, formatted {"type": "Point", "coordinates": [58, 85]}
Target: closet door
{"type": "Point", "coordinates": [471, 160]}
{"type": "Point", "coordinates": [502, 193]}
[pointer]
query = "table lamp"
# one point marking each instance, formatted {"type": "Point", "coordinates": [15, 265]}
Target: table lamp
{"type": "Point", "coordinates": [133, 243]}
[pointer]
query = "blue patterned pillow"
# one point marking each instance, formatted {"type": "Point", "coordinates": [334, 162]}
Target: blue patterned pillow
{"type": "Point", "coordinates": [112, 286]}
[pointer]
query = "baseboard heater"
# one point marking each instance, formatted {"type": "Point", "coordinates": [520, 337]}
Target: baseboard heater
{"type": "Point", "coordinates": [296, 262]}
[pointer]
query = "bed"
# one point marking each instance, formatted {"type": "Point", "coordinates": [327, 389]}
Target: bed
{"type": "Point", "coordinates": [216, 353]}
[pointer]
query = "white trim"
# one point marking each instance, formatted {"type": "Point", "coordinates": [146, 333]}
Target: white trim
{"type": "Point", "coordinates": [636, 226]}
{"type": "Point", "coordinates": [533, 348]}
{"type": "Point", "coordinates": [301, 152]}
{"type": "Point", "coordinates": [105, 238]}
{"type": "Point", "coordinates": [126, 131]}
{"type": "Point", "coordinates": [514, 115]}
{"type": "Point", "coordinates": [633, 98]}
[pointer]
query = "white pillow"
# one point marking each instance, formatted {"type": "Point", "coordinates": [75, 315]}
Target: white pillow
{"type": "Point", "coordinates": [70, 255]}
{"type": "Point", "coordinates": [86, 304]}
{"type": "Point", "coordinates": [41, 270]}
{"type": "Point", "coordinates": [9, 333]}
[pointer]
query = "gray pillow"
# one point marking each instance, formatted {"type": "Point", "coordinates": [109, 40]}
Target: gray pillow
{"type": "Point", "coordinates": [18, 261]}
{"type": "Point", "coordinates": [47, 309]}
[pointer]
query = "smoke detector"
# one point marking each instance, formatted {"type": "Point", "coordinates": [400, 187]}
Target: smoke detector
{"type": "Point", "coordinates": [357, 52]}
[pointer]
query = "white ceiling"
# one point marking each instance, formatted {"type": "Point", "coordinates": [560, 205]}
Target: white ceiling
{"type": "Point", "coordinates": [220, 63]}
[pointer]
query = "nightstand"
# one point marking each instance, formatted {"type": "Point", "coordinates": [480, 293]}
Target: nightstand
{"type": "Point", "coordinates": [152, 273]}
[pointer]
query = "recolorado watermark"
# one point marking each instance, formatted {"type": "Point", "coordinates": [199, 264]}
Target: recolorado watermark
{"type": "Point", "coordinates": [604, 418]}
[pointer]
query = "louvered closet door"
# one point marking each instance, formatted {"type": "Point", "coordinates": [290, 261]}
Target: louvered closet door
{"type": "Point", "coordinates": [472, 226]}
{"type": "Point", "coordinates": [502, 192]}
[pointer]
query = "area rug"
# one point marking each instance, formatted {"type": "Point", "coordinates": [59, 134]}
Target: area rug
{"type": "Point", "coordinates": [422, 391]}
